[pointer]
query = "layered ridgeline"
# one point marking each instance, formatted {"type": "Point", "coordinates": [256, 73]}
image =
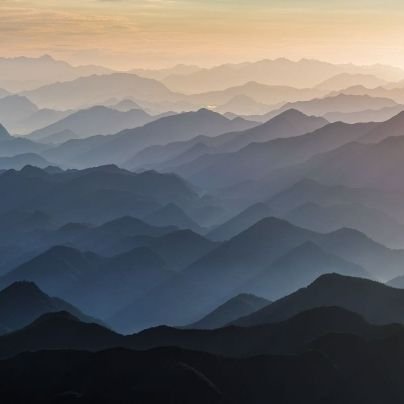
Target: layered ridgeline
{"type": "Point", "coordinates": [102, 209]}
{"type": "Point", "coordinates": [286, 325]}
{"type": "Point", "coordinates": [265, 259]}
{"type": "Point", "coordinates": [92, 195]}
{"type": "Point", "coordinates": [21, 73]}
{"type": "Point", "coordinates": [11, 146]}
{"type": "Point", "coordinates": [23, 302]}
{"type": "Point", "coordinates": [342, 349]}
{"type": "Point", "coordinates": [103, 285]}
{"type": "Point", "coordinates": [231, 234]}
{"type": "Point", "coordinates": [120, 147]}
{"type": "Point", "coordinates": [98, 120]}
{"type": "Point", "coordinates": [160, 274]}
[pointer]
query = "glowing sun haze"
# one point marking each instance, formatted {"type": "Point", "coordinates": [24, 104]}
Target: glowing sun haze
{"type": "Point", "coordinates": [156, 33]}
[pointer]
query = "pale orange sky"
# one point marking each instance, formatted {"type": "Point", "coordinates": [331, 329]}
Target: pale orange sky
{"type": "Point", "coordinates": [154, 33]}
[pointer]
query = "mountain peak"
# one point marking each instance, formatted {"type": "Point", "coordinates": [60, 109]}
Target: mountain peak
{"type": "Point", "coordinates": [373, 300]}
{"type": "Point", "coordinates": [272, 224]}
{"type": "Point", "coordinates": [31, 171]}
{"type": "Point", "coordinates": [21, 288]}
{"type": "Point", "coordinates": [347, 233]}
{"type": "Point", "coordinates": [206, 112]}
{"type": "Point", "coordinates": [291, 113]}
{"type": "Point", "coordinates": [239, 305]}
{"type": "Point", "coordinates": [46, 57]}
{"type": "Point", "coordinates": [332, 279]}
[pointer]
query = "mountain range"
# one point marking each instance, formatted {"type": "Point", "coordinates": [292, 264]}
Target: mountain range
{"type": "Point", "coordinates": [120, 147]}
{"type": "Point", "coordinates": [97, 120]}
{"type": "Point", "coordinates": [96, 88]}
{"type": "Point", "coordinates": [23, 302]}
{"type": "Point", "coordinates": [23, 73]}
{"type": "Point", "coordinates": [300, 74]}
{"type": "Point", "coordinates": [225, 234]}
{"type": "Point", "coordinates": [268, 243]}
{"type": "Point", "coordinates": [239, 306]}
{"type": "Point", "coordinates": [383, 303]}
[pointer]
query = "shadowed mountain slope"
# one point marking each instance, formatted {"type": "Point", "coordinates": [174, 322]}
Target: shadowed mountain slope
{"type": "Point", "coordinates": [22, 302]}
{"type": "Point", "coordinates": [239, 306]}
{"type": "Point", "coordinates": [376, 302]}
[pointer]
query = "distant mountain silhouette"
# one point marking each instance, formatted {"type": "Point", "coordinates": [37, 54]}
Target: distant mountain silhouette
{"type": "Point", "coordinates": [95, 195]}
{"type": "Point", "coordinates": [310, 191]}
{"type": "Point", "coordinates": [374, 223]}
{"type": "Point", "coordinates": [111, 238]}
{"type": "Point", "coordinates": [239, 306]}
{"type": "Point", "coordinates": [97, 284]}
{"type": "Point", "coordinates": [345, 80]}
{"type": "Point", "coordinates": [90, 90]}
{"type": "Point", "coordinates": [229, 268]}
{"type": "Point", "coordinates": [130, 259]}
{"type": "Point", "coordinates": [15, 108]}
{"type": "Point", "coordinates": [222, 271]}
{"type": "Point", "coordinates": [56, 269]}
{"type": "Point", "coordinates": [240, 222]}
{"type": "Point", "coordinates": [192, 153]}
{"type": "Point", "coordinates": [300, 266]}
{"type": "Point", "coordinates": [303, 73]}
{"type": "Point", "coordinates": [130, 227]}
{"type": "Point", "coordinates": [22, 302]}
{"type": "Point", "coordinates": [21, 160]}
{"type": "Point", "coordinates": [39, 119]}
{"type": "Point", "coordinates": [351, 164]}
{"type": "Point", "coordinates": [367, 115]}
{"type": "Point", "coordinates": [257, 160]}
{"type": "Point", "coordinates": [338, 103]}
{"type": "Point", "coordinates": [381, 262]}
{"type": "Point", "coordinates": [153, 156]}
{"type": "Point", "coordinates": [23, 73]}
{"type": "Point", "coordinates": [97, 120]}
{"type": "Point", "coordinates": [58, 330]}
{"type": "Point", "coordinates": [393, 91]}
{"type": "Point", "coordinates": [391, 127]}
{"type": "Point", "coordinates": [125, 105]}
{"type": "Point", "coordinates": [11, 146]}
{"type": "Point", "coordinates": [174, 156]}
{"type": "Point", "coordinates": [263, 94]}
{"type": "Point", "coordinates": [59, 137]}
{"type": "Point", "coordinates": [124, 145]}
{"type": "Point", "coordinates": [287, 124]}
{"type": "Point", "coordinates": [376, 302]}
{"type": "Point", "coordinates": [255, 226]}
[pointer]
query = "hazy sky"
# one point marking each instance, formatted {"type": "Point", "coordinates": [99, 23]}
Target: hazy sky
{"type": "Point", "coordinates": [153, 33]}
